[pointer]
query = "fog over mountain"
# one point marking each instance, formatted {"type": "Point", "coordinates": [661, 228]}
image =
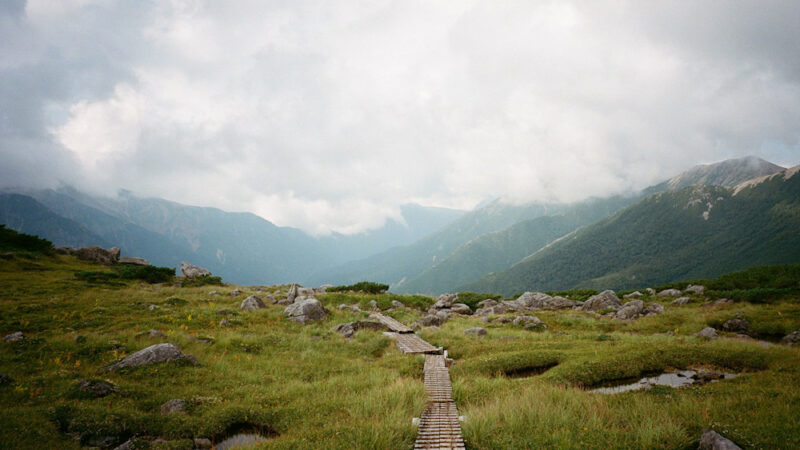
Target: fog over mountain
{"type": "Point", "coordinates": [329, 116]}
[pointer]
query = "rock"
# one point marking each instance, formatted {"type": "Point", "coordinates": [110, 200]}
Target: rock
{"type": "Point", "coordinates": [292, 295]}
{"type": "Point", "coordinates": [633, 295]}
{"type": "Point", "coordinates": [504, 319]}
{"type": "Point", "coordinates": [152, 308]}
{"type": "Point", "coordinates": [224, 322]}
{"type": "Point", "coordinates": [492, 310]}
{"type": "Point", "coordinates": [134, 260]}
{"type": "Point", "coordinates": [127, 445]}
{"type": "Point", "coordinates": [103, 441]}
{"type": "Point", "coordinates": [524, 320]}
{"type": "Point", "coordinates": [152, 355]}
{"type": "Point", "coordinates": [192, 271]}
{"type": "Point", "coordinates": [396, 304]}
{"type": "Point", "coordinates": [443, 315]}
{"type": "Point", "coordinates": [711, 440]}
{"type": "Point", "coordinates": [95, 388]}
{"type": "Point", "coordinates": [445, 301]}
{"type": "Point", "coordinates": [477, 331]}
{"type": "Point", "coordinates": [722, 301]}
{"type": "Point", "coordinates": [213, 293]}
{"type": "Point", "coordinates": [670, 293]}
{"type": "Point", "coordinates": [235, 292]}
{"type": "Point", "coordinates": [695, 289]}
{"type": "Point", "coordinates": [650, 291]}
{"type": "Point", "coordinates": [156, 333]}
{"type": "Point", "coordinates": [707, 332]}
{"type": "Point", "coordinates": [373, 304]}
{"type": "Point", "coordinates": [460, 308]}
{"type": "Point", "coordinates": [98, 255]}
{"type": "Point", "coordinates": [630, 310]}
{"type": "Point", "coordinates": [14, 337]}
{"type": "Point", "coordinates": [252, 303]}
{"type": "Point", "coordinates": [271, 299]}
{"type": "Point", "coordinates": [558, 302]}
{"type": "Point", "coordinates": [535, 326]}
{"type": "Point", "coordinates": [352, 308]}
{"type": "Point", "coordinates": [792, 338]}
{"type": "Point", "coordinates": [737, 325]}
{"type": "Point", "coordinates": [603, 300]}
{"type": "Point", "coordinates": [487, 303]}
{"type": "Point", "coordinates": [704, 376]}
{"type": "Point", "coordinates": [323, 289]}
{"type": "Point", "coordinates": [202, 443]}
{"type": "Point", "coordinates": [348, 329]}
{"type": "Point", "coordinates": [431, 320]}
{"type": "Point", "coordinates": [531, 300]}
{"type": "Point", "coordinates": [681, 301]}
{"type": "Point", "coordinates": [173, 406]}
{"type": "Point", "coordinates": [309, 309]}
{"type": "Point", "coordinates": [5, 379]}
{"type": "Point", "coordinates": [652, 309]}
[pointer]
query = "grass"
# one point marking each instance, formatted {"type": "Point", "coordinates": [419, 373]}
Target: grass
{"type": "Point", "coordinates": [306, 386]}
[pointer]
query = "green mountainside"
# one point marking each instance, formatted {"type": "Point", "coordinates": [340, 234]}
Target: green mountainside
{"type": "Point", "coordinates": [693, 232]}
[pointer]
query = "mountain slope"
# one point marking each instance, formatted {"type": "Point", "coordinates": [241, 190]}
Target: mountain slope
{"type": "Point", "coordinates": [725, 173]}
{"type": "Point", "coordinates": [693, 232]}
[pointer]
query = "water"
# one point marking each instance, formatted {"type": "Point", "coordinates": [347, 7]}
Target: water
{"type": "Point", "coordinates": [674, 380]}
{"type": "Point", "coordinates": [241, 440]}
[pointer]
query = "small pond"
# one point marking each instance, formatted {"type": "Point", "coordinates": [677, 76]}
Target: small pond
{"type": "Point", "coordinates": [672, 379]}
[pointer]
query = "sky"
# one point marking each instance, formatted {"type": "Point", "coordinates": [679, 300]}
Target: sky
{"type": "Point", "coordinates": [327, 116]}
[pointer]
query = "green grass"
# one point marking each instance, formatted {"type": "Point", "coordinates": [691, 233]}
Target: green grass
{"type": "Point", "coordinates": [308, 387]}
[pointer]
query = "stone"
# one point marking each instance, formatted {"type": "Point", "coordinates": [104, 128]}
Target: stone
{"type": "Point", "coordinates": [650, 291]}
{"type": "Point", "coordinates": [487, 303]}
{"type": "Point", "coordinates": [134, 261]}
{"type": "Point", "coordinates": [176, 405]}
{"type": "Point", "coordinates": [156, 333]}
{"type": "Point", "coordinates": [224, 322]}
{"type": "Point", "coordinates": [348, 329]}
{"type": "Point", "coordinates": [680, 301]}
{"type": "Point", "coordinates": [535, 326]}
{"type": "Point", "coordinates": [604, 300]}
{"type": "Point", "coordinates": [98, 255]}
{"type": "Point", "coordinates": [707, 332]}
{"type": "Point", "coordinates": [670, 293]}
{"type": "Point", "coordinates": [202, 443]}
{"type": "Point", "coordinates": [291, 296]}
{"type": "Point", "coordinates": [5, 379]}
{"type": "Point", "coordinates": [226, 312]}
{"type": "Point", "coordinates": [633, 295]}
{"type": "Point", "coordinates": [531, 300]}
{"type": "Point", "coordinates": [695, 289]}
{"type": "Point", "coordinates": [460, 308]}
{"type": "Point", "coordinates": [722, 302]}
{"type": "Point", "coordinates": [373, 304]}
{"type": "Point", "coordinates": [737, 325]}
{"type": "Point", "coordinates": [213, 293]}
{"type": "Point", "coordinates": [704, 376]}
{"type": "Point", "coordinates": [152, 355]}
{"type": "Point", "coordinates": [271, 299]}
{"type": "Point", "coordinates": [431, 320]}
{"type": "Point", "coordinates": [524, 320]}
{"type": "Point", "coordinates": [127, 445]}
{"type": "Point", "coordinates": [558, 302]}
{"type": "Point", "coordinates": [504, 319]}
{"type": "Point", "coordinates": [95, 388]}
{"type": "Point", "coordinates": [351, 308]}
{"type": "Point", "coordinates": [652, 309]}
{"type": "Point", "coordinates": [191, 271]}
{"type": "Point", "coordinates": [235, 292]}
{"type": "Point", "coordinates": [445, 301]}
{"type": "Point", "coordinates": [152, 308]}
{"type": "Point", "coordinates": [14, 337]}
{"type": "Point", "coordinates": [309, 309]}
{"type": "Point", "coordinates": [396, 304]}
{"type": "Point", "coordinates": [323, 289]}
{"type": "Point", "coordinates": [711, 440]}
{"type": "Point", "coordinates": [477, 331]}
{"type": "Point", "coordinates": [443, 315]}
{"type": "Point", "coordinates": [792, 338]}
{"type": "Point", "coordinates": [630, 310]}
{"type": "Point", "coordinates": [252, 303]}
{"type": "Point", "coordinates": [492, 310]}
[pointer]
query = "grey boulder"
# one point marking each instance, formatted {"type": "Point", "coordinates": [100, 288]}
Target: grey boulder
{"type": "Point", "coordinates": [152, 355]}
{"type": "Point", "coordinates": [604, 300]}
{"type": "Point", "coordinates": [670, 293]}
{"type": "Point", "coordinates": [680, 301]}
{"type": "Point", "coordinates": [737, 325]}
{"type": "Point", "coordinates": [98, 254]}
{"type": "Point", "coordinates": [252, 303]}
{"type": "Point", "coordinates": [525, 320]}
{"type": "Point", "coordinates": [309, 309]}
{"type": "Point", "coordinates": [173, 406]}
{"type": "Point", "coordinates": [630, 310]}
{"type": "Point", "coordinates": [695, 289]}
{"type": "Point", "coordinates": [460, 308]}
{"type": "Point", "coordinates": [711, 440]}
{"type": "Point", "coordinates": [292, 295]}
{"type": "Point", "coordinates": [707, 332]}
{"type": "Point", "coordinates": [477, 331]}
{"type": "Point", "coordinates": [633, 295]}
{"type": "Point", "coordinates": [95, 388]}
{"type": "Point", "coordinates": [792, 338]}
{"type": "Point", "coordinates": [14, 337]}
{"type": "Point", "coordinates": [431, 320]}
{"type": "Point", "coordinates": [134, 261]}
{"type": "Point", "coordinates": [191, 271]}
{"type": "Point", "coordinates": [348, 329]}
{"type": "Point", "coordinates": [445, 301]}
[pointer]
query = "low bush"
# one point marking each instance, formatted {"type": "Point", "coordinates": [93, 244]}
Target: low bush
{"type": "Point", "coordinates": [10, 240]}
{"type": "Point", "coordinates": [363, 286]}
{"type": "Point", "coordinates": [205, 280]}
{"type": "Point", "coordinates": [575, 294]}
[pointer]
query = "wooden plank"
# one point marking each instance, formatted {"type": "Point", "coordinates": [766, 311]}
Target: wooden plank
{"type": "Point", "coordinates": [393, 324]}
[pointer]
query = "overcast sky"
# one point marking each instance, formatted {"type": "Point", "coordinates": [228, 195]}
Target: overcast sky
{"type": "Point", "coordinates": [327, 115]}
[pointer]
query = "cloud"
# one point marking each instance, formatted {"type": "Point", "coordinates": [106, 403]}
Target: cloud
{"type": "Point", "coordinates": [328, 117]}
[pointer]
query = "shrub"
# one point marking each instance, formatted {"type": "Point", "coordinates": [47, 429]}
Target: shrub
{"type": "Point", "coordinates": [11, 240]}
{"type": "Point", "coordinates": [364, 286]}
{"type": "Point", "coordinates": [205, 280]}
{"type": "Point", "coordinates": [472, 299]}
{"type": "Point", "coordinates": [575, 294]}
{"type": "Point", "coordinates": [150, 274]}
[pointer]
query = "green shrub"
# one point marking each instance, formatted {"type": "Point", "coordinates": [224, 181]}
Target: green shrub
{"type": "Point", "coordinates": [575, 294]}
{"type": "Point", "coordinates": [472, 299]}
{"type": "Point", "coordinates": [363, 286]}
{"type": "Point", "coordinates": [150, 274]}
{"type": "Point", "coordinates": [205, 280]}
{"type": "Point", "coordinates": [10, 240]}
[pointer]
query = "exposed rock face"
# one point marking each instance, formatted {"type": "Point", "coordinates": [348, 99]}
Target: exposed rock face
{"type": "Point", "coordinates": [176, 405]}
{"type": "Point", "coordinates": [558, 303]}
{"type": "Point", "coordinates": [711, 440]}
{"type": "Point", "coordinates": [152, 355]}
{"type": "Point", "coordinates": [95, 388]}
{"type": "Point", "coordinates": [431, 320]}
{"type": "Point", "coordinates": [487, 303]}
{"type": "Point", "coordinates": [308, 292]}
{"type": "Point", "coordinates": [292, 295]}
{"type": "Point", "coordinates": [630, 310]}
{"type": "Point", "coordinates": [736, 325]}
{"type": "Point", "coordinates": [445, 301]}
{"type": "Point", "coordinates": [681, 301]}
{"type": "Point", "coordinates": [525, 320]}
{"type": "Point", "coordinates": [191, 271]}
{"type": "Point", "coordinates": [460, 308]}
{"type": "Point", "coordinates": [792, 338]}
{"type": "Point", "coordinates": [309, 309]}
{"type": "Point", "coordinates": [670, 293]}
{"type": "Point", "coordinates": [134, 260]}
{"type": "Point", "coordinates": [252, 303]}
{"type": "Point", "coordinates": [695, 289]}
{"type": "Point", "coordinates": [650, 291]}
{"type": "Point", "coordinates": [477, 331]}
{"type": "Point", "coordinates": [14, 337]}
{"type": "Point", "coordinates": [633, 295]}
{"type": "Point", "coordinates": [603, 300]}
{"type": "Point", "coordinates": [707, 332]}
{"type": "Point", "coordinates": [97, 254]}
{"type": "Point", "coordinates": [202, 443]}
{"type": "Point", "coordinates": [652, 309]}
{"type": "Point", "coordinates": [348, 329]}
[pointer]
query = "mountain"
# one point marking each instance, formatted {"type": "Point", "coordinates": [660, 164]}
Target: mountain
{"type": "Point", "coordinates": [689, 233]}
{"type": "Point", "coordinates": [726, 173]}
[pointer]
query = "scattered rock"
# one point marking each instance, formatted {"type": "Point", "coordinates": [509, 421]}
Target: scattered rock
{"type": "Point", "coordinates": [292, 295]}
{"type": "Point", "coordinates": [477, 331]}
{"type": "Point", "coordinates": [487, 303]}
{"type": "Point", "coordinates": [352, 308]}
{"type": "Point", "coordinates": [711, 440]}
{"type": "Point", "coordinates": [202, 443]}
{"type": "Point", "coordinates": [705, 376]}
{"type": "Point", "coordinates": [504, 319]}
{"type": "Point", "coordinates": [633, 295]}
{"type": "Point", "coordinates": [792, 338]}
{"type": "Point", "coordinates": [722, 302]}
{"type": "Point", "coordinates": [680, 301]}
{"type": "Point", "coordinates": [737, 325]}
{"type": "Point", "coordinates": [156, 333]}
{"type": "Point", "coordinates": [226, 312]}
{"type": "Point", "coordinates": [213, 293]}
{"type": "Point", "coordinates": [95, 388]}
{"type": "Point", "coordinates": [151, 355]}
{"type": "Point", "coordinates": [98, 255]}
{"type": "Point", "coordinates": [134, 261]}
{"type": "Point", "coordinates": [305, 310]}
{"type": "Point", "coordinates": [443, 315]}
{"type": "Point", "coordinates": [492, 310]}
{"type": "Point", "coordinates": [524, 320]}
{"type": "Point", "coordinates": [348, 329]}
{"type": "Point", "coordinates": [14, 337]}
{"type": "Point", "coordinates": [235, 292]}
{"type": "Point", "coordinates": [176, 405]}
{"type": "Point", "coordinates": [630, 310]}
{"type": "Point", "coordinates": [305, 291]}
{"type": "Point", "coordinates": [653, 309]}
{"type": "Point", "coordinates": [604, 300]}
{"type": "Point", "coordinates": [5, 379]}
{"type": "Point", "coordinates": [445, 301]}
{"type": "Point", "coordinates": [271, 299]}
{"type": "Point", "coordinates": [670, 293]}
{"type": "Point", "coordinates": [695, 289]}
{"type": "Point", "coordinates": [152, 308]}
{"type": "Point", "coordinates": [535, 326]}
{"type": "Point", "coordinates": [252, 303]}
{"type": "Point", "coordinates": [323, 289]}
{"type": "Point", "coordinates": [431, 320]}
{"type": "Point", "coordinates": [396, 304]}
{"type": "Point", "coordinates": [224, 322]}
{"type": "Point", "coordinates": [650, 291]}
{"type": "Point", "coordinates": [191, 271]}
{"type": "Point", "coordinates": [460, 308]}
{"type": "Point", "coordinates": [373, 304]}
{"type": "Point", "coordinates": [707, 332]}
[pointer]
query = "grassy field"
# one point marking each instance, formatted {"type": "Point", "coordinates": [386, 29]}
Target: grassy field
{"type": "Point", "coordinates": [308, 387]}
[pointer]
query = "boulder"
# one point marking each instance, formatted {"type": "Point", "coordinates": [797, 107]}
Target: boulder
{"type": "Point", "coordinates": [652, 309]}
{"type": "Point", "coordinates": [323, 289]}
{"type": "Point", "coordinates": [477, 331]}
{"type": "Point", "coordinates": [202, 443]}
{"type": "Point", "coordinates": [492, 310]}
{"type": "Point", "coordinates": [98, 255]}
{"type": "Point", "coordinates": [531, 300]}
{"type": "Point", "coordinates": [396, 304]}
{"type": "Point", "coordinates": [695, 289]}
{"type": "Point", "coordinates": [603, 300]}
{"type": "Point", "coordinates": [711, 440]}
{"type": "Point", "coordinates": [431, 320]}
{"type": "Point", "coordinates": [670, 293]}
{"type": "Point", "coordinates": [213, 293]}
{"type": "Point", "coordinates": [373, 304]}
{"type": "Point", "coordinates": [630, 310]}
{"type": "Point", "coordinates": [707, 332]}
{"type": "Point", "coordinates": [152, 355]}
{"type": "Point", "coordinates": [487, 303]}
{"type": "Point", "coordinates": [292, 295]}
{"type": "Point", "coordinates": [348, 329]}
{"type": "Point", "coordinates": [504, 319]}
{"type": "Point", "coordinates": [95, 388]}
{"type": "Point", "coordinates": [680, 301]}
{"type": "Point", "coordinates": [176, 405]}
{"type": "Point", "coordinates": [308, 292]}
{"type": "Point", "coordinates": [633, 295]}
{"type": "Point", "coordinates": [650, 291]}
{"type": "Point", "coordinates": [156, 333]}
{"type": "Point", "coordinates": [737, 325]}
{"type": "Point", "coordinates": [224, 322]}
{"type": "Point", "coordinates": [722, 301]}
{"type": "Point", "coordinates": [445, 301]}
{"type": "Point", "coordinates": [252, 303]}
{"type": "Point", "coordinates": [558, 302]}
{"type": "Point", "coordinates": [792, 338]}
{"type": "Point", "coordinates": [352, 308]}
{"type": "Point", "coordinates": [309, 309]}
{"type": "Point", "coordinates": [524, 320]}
{"type": "Point", "coordinates": [443, 315]}
{"type": "Point", "coordinates": [134, 260]}
{"type": "Point", "coordinates": [235, 292]}
{"type": "Point", "coordinates": [535, 326]}
{"type": "Point", "coordinates": [460, 308]}
{"type": "Point", "coordinates": [14, 337]}
{"type": "Point", "coordinates": [191, 271]}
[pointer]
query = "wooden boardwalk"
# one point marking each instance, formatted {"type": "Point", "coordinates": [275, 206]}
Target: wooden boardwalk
{"type": "Point", "coordinates": [392, 324]}
{"type": "Point", "coordinates": [413, 344]}
{"type": "Point", "coordinates": [439, 426]}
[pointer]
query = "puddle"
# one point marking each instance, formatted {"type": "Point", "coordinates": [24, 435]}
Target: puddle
{"type": "Point", "coordinates": [526, 372]}
{"type": "Point", "coordinates": [241, 440]}
{"type": "Point", "coordinates": [674, 380]}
